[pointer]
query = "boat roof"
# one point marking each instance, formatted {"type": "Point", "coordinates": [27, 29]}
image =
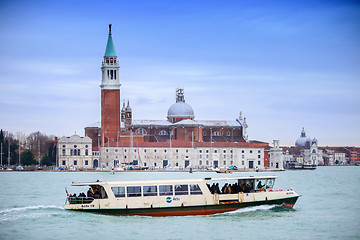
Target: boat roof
{"type": "Point", "coordinates": [169, 181]}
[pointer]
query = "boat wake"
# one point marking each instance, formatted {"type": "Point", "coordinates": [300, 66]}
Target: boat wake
{"type": "Point", "coordinates": [262, 208]}
{"type": "Point", "coordinates": [16, 213]}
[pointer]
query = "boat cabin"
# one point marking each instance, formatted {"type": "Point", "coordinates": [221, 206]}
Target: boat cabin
{"type": "Point", "coordinates": [129, 190]}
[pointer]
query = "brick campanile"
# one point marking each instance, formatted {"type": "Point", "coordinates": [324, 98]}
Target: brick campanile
{"type": "Point", "coordinates": [110, 94]}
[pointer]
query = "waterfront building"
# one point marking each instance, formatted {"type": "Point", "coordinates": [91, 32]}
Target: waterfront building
{"type": "Point", "coordinates": [178, 142]}
{"type": "Point", "coordinates": [75, 152]}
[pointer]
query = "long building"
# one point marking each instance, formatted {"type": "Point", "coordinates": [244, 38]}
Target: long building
{"type": "Point", "coordinates": [179, 141]}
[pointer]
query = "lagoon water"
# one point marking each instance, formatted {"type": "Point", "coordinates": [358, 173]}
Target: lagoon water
{"type": "Point", "coordinates": [31, 207]}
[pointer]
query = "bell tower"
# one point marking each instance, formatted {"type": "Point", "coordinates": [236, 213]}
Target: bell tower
{"type": "Point", "coordinates": [110, 94]}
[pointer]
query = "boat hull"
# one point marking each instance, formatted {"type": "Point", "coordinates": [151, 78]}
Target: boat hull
{"type": "Point", "coordinates": [192, 210]}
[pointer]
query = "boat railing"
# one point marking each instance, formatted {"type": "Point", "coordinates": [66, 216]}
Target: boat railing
{"type": "Point", "coordinates": [79, 200]}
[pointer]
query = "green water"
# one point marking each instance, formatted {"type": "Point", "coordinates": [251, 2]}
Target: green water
{"type": "Point", "coordinates": [31, 207]}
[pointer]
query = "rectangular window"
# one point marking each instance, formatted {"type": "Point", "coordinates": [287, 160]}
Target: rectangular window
{"type": "Point", "coordinates": [86, 162]}
{"type": "Point", "coordinates": [200, 162]}
{"type": "Point", "coordinates": [75, 162]}
{"type": "Point", "coordinates": [63, 162]}
{"type": "Point", "coordinates": [118, 191]}
{"type": "Point", "coordinates": [242, 151]}
{"type": "Point", "coordinates": [242, 163]}
{"type": "Point", "coordinates": [181, 189]}
{"type": "Point", "coordinates": [200, 156]}
{"type": "Point", "coordinates": [259, 156]}
{"type": "Point", "coordinates": [195, 189]}
{"type": "Point", "coordinates": [165, 190]}
{"type": "Point", "coordinates": [150, 190]}
{"type": "Point", "coordinates": [224, 162]}
{"type": "Point", "coordinates": [250, 151]}
{"type": "Point", "coordinates": [133, 191]}
{"type": "Point", "coordinates": [242, 156]}
{"type": "Point", "coordinates": [200, 151]}
{"type": "Point", "coordinates": [258, 162]}
{"type": "Point", "coordinates": [63, 152]}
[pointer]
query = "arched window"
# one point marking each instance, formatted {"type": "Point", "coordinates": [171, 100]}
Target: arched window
{"type": "Point", "coordinates": [204, 133]}
{"type": "Point", "coordinates": [313, 151]}
{"type": "Point", "coordinates": [71, 152]}
{"type": "Point", "coordinates": [78, 152]}
{"type": "Point", "coordinates": [63, 152]}
{"type": "Point", "coordinates": [228, 133]}
{"type": "Point", "coordinates": [141, 131]}
{"type": "Point", "coordinates": [216, 134]}
{"type": "Point", "coordinates": [163, 132]}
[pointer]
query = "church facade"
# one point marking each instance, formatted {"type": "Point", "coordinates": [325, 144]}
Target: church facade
{"type": "Point", "coordinates": [179, 141]}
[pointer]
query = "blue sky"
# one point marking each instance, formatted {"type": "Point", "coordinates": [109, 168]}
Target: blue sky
{"type": "Point", "coordinates": [285, 64]}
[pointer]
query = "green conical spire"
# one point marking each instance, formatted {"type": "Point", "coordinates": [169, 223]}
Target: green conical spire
{"type": "Point", "coordinates": [110, 49]}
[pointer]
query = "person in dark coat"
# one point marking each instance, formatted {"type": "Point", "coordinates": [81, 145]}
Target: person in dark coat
{"type": "Point", "coordinates": [90, 193]}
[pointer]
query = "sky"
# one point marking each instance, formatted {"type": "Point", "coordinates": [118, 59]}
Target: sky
{"type": "Point", "coordinates": [286, 65]}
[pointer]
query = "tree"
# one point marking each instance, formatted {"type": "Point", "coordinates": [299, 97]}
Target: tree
{"type": "Point", "coordinates": [52, 152]}
{"type": "Point", "coordinates": [27, 158]}
{"type": "Point", "coordinates": [14, 159]}
{"type": "Point", "coordinates": [46, 161]}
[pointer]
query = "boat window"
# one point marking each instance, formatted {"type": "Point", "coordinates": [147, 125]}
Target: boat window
{"type": "Point", "coordinates": [150, 190]}
{"type": "Point", "coordinates": [270, 183]}
{"type": "Point", "coordinates": [133, 191]}
{"type": "Point", "coordinates": [118, 191]}
{"type": "Point", "coordinates": [195, 189]}
{"type": "Point", "coordinates": [181, 189]}
{"type": "Point", "coordinates": [165, 190]}
{"type": "Point", "coordinates": [260, 184]}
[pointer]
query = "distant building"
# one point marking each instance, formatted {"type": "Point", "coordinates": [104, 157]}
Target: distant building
{"type": "Point", "coordinates": [305, 151]}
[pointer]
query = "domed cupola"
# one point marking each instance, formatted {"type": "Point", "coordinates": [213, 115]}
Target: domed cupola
{"type": "Point", "coordinates": [180, 110]}
{"type": "Point", "coordinates": [303, 140]}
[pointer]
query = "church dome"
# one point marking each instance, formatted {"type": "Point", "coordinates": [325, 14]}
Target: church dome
{"type": "Point", "coordinates": [181, 109]}
{"type": "Point", "coordinates": [302, 140]}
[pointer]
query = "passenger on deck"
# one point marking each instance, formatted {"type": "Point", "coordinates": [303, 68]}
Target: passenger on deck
{"type": "Point", "coordinates": [223, 188]}
{"type": "Point", "coordinates": [235, 188]}
{"type": "Point", "coordinates": [259, 186]}
{"type": "Point", "coordinates": [212, 188]}
{"type": "Point", "coordinates": [97, 194]}
{"type": "Point", "coordinates": [90, 193]}
{"type": "Point", "coordinates": [215, 188]}
{"type": "Point", "coordinates": [248, 188]}
{"type": "Point", "coordinates": [226, 189]}
{"type": "Point", "coordinates": [73, 199]}
{"type": "Point", "coordinates": [242, 187]}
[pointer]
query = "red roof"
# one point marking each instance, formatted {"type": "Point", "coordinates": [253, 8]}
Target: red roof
{"type": "Point", "coordinates": [187, 144]}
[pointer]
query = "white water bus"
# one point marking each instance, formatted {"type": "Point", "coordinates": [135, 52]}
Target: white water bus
{"type": "Point", "coordinates": [180, 197]}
